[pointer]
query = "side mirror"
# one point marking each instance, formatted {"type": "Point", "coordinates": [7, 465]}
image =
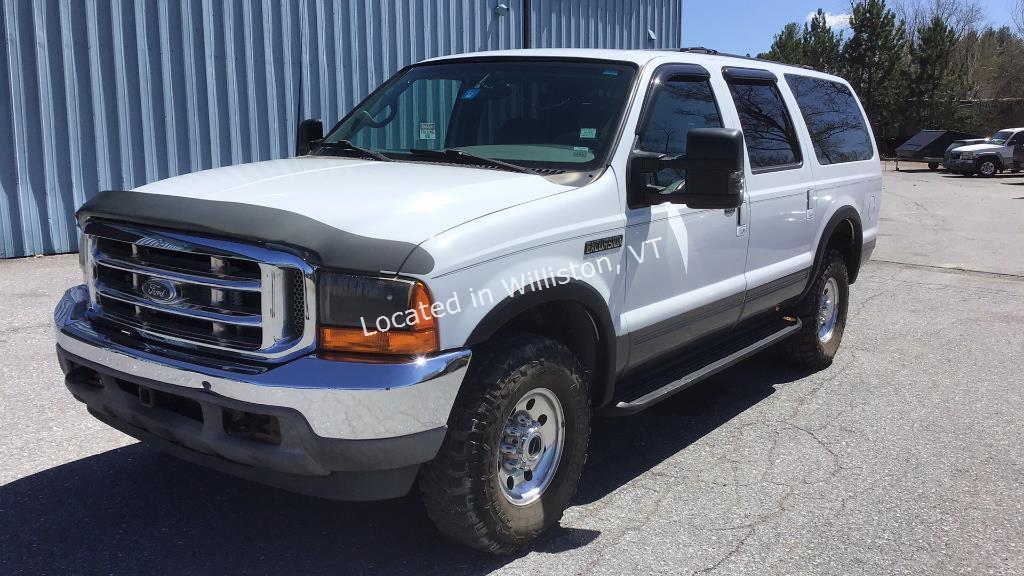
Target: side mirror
{"type": "Point", "coordinates": [308, 136]}
{"type": "Point", "coordinates": [714, 172]}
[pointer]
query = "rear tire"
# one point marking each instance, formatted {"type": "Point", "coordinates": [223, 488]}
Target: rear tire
{"type": "Point", "coordinates": [823, 314]}
{"type": "Point", "coordinates": [475, 491]}
{"type": "Point", "coordinates": [933, 166]}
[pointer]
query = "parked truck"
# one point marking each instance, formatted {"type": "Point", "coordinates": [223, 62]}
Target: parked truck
{"type": "Point", "coordinates": [441, 292]}
{"type": "Point", "coordinates": [986, 159]}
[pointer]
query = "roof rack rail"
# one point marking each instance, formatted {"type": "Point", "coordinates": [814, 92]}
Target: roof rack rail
{"type": "Point", "coordinates": [713, 52]}
{"type": "Point", "coordinates": [699, 49]}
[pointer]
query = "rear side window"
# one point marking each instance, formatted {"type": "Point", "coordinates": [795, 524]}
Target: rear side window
{"type": "Point", "coordinates": [838, 131]}
{"type": "Point", "coordinates": [767, 129]}
{"type": "Point", "coordinates": [680, 105]}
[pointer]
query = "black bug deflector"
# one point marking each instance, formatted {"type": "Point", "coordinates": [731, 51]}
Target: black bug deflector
{"type": "Point", "coordinates": [310, 239]}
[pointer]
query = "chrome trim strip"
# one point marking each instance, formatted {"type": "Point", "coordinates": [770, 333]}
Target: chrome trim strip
{"type": "Point", "coordinates": [240, 284]}
{"type": "Point", "coordinates": [350, 400]}
{"type": "Point", "coordinates": [179, 308]}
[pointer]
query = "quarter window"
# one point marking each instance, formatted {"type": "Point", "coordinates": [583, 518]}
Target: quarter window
{"type": "Point", "coordinates": [836, 125]}
{"type": "Point", "coordinates": [767, 129]}
{"type": "Point", "coordinates": [680, 105]}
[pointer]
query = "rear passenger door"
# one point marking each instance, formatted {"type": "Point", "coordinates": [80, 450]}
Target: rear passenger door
{"type": "Point", "coordinates": [779, 185]}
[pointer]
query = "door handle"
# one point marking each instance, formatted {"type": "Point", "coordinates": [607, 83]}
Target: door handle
{"type": "Point", "coordinates": [741, 222]}
{"type": "Point", "coordinates": [812, 200]}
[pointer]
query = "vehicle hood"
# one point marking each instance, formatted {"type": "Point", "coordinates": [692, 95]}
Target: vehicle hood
{"type": "Point", "coordinates": [401, 201]}
{"type": "Point", "coordinates": [978, 147]}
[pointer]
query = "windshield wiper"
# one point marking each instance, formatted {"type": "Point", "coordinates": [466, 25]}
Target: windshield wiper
{"type": "Point", "coordinates": [463, 157]}
{"type": "Point", "coordinates": [347, 146]}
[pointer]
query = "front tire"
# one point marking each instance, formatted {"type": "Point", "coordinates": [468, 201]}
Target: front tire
{"type": "Point", "coordinates": [517, 441]}
{"type": "Point", "coordinates": [987, 168]}
{"type": "Point", "coordinates": [823, 314]}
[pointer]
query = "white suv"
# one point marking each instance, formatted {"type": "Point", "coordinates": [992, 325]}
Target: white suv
{"type": "Point", "coordinates": [484, 253]}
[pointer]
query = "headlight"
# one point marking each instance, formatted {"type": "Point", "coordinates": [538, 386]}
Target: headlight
{"type": "Point", "coordinates": [366, 315]}
{"type": "Point", "coordinates": [967, 155]}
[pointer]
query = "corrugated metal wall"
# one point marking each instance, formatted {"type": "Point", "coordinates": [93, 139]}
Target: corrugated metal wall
{"type": "Point", "coordinates": [112, 94]}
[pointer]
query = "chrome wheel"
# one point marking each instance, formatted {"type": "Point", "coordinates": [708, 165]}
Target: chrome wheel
{"type": "Point", "coordinates": [531, 447]}
{"type": "Point", "coordinates": [828, 312]}
{"type": "Point", "coordinates": [987, 168]}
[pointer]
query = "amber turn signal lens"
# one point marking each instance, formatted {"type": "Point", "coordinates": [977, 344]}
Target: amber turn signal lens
{"type": "Point", "coordinates": [418, 337]}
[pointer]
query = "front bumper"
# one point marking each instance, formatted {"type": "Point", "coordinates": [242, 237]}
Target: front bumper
{"type": "Point", "coordinates": [958, 165]}
{"type": "Point", "coordinates": [345, 430]}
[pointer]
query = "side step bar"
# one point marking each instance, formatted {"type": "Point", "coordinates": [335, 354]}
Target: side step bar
{"type": "Point", "coordinates": [704, 363]}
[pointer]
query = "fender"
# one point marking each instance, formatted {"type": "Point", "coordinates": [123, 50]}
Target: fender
{"type": "Point", "coordinates": [994, 156]}
{"type": "Point", "coordinates": [573, 291]}
{"type": "Point", "coordinates": [842, 215]}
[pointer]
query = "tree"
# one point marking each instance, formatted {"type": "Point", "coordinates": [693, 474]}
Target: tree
{"type": "Point", "coordinates": [788, 46]}
{"type": "Point", "coordinates": [937, 76]}
{"type": "Point", "coordinates": [821, 46]}
{"type": "Point", "coordinates": [1018, 17]}
{"type": "Point", "coordinates": [960, 15]}
{"type": "Point", "coordinates": [875, 63]}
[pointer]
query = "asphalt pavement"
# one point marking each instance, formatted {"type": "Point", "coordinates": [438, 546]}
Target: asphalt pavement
{"type": "Point", "coordinates": [906, 456]}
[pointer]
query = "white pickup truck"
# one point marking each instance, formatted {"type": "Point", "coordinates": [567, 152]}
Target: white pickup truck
{"type": "Point", "coordinates": [490, 249]}
{"type": "Point", "coordinates": [1002, 151]}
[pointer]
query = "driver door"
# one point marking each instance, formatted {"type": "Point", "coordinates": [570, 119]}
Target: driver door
{"type": "Point", "coordinates": [685, 267]}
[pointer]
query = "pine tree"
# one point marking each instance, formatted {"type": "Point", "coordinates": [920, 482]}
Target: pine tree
{"type": "Point", "coordinates": [788, 46]}
{"type": "Point", "coordinates": [875, 63]}
{"type": "Point", "coordinates": [937, 77]}
{"type": "Point", "coordinates": [821, 45]}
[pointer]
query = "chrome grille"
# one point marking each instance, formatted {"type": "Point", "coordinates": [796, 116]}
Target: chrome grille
{"type": "Point", "coordinates": [200, 292]}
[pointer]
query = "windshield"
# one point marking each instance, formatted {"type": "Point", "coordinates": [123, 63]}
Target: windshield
{"type": "Point", "coordinates": [555, 115]}
{"type": "Point", "coordinates": [1000, 138]}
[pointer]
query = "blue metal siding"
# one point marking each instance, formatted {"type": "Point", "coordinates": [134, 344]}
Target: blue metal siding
{"type": "Point", "coordinates": [112, 94]}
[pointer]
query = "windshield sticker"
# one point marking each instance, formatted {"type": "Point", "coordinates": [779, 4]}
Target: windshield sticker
{"type": "Point", "coordinates": [580, 151]}
{"type": "Point", "coordinates": [588, 132]}
{"type": "Point", "coordinates": [428, 131]}
{"type": "Point", "coordinates": [470, 93]}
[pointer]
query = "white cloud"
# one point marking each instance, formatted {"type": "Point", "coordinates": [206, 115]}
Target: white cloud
{"type": "Point", "coordinates": [834, 21]}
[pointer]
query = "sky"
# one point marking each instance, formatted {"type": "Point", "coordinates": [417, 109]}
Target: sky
{"type": "Point", "coordinates": [747, 26]}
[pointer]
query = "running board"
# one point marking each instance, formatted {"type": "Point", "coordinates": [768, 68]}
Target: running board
{"type": "Point", "coordinates": [704, 363]}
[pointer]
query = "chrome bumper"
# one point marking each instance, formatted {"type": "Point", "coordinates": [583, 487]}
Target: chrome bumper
{"type": "Point", "coordinates": [342, 400]}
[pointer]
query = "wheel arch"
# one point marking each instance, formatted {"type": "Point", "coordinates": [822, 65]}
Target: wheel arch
{"type": "Point", "coordinates": [574, 313]}
{"type": "Point", "coordinates": [990, 156]}
{"type": "Point", "coordinates": [845, 232]}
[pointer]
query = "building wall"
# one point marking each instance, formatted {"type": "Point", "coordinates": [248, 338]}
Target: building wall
{"type": "Point", "coordinates": [112, 94]}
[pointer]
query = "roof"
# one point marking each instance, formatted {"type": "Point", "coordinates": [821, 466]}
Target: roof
{"type": "Point", "coordinates": [642, 57]}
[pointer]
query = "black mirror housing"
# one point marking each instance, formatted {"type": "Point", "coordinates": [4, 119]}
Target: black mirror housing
{"type": "Point", "coordinates": [309, 134]}
{"type": "Point", "coordinates": [714, 171]}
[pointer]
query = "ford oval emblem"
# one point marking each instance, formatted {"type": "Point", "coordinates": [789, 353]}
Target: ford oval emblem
{"type": "Point", "coordinates": [160, 290]}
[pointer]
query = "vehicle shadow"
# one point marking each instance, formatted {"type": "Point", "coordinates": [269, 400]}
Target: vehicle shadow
{"type": "Point", "coordinates": [134, 510]}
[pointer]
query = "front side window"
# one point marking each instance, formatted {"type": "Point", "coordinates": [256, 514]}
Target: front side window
{"type": "Point", "coordinates": [558, 115]}
{"type": "Point", "coordinates": [767, 129]}
{"type": "Point", "coordinates": [680, 105]}
{"type": "Point", "coordinates": [834, 121]}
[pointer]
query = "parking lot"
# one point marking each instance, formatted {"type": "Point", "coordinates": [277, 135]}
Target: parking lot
{"type": "Point", "coordinates": [904, 457]}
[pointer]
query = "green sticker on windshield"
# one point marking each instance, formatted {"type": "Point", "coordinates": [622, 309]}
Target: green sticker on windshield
{"type": "Point", "coordinates": [588, 132]}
